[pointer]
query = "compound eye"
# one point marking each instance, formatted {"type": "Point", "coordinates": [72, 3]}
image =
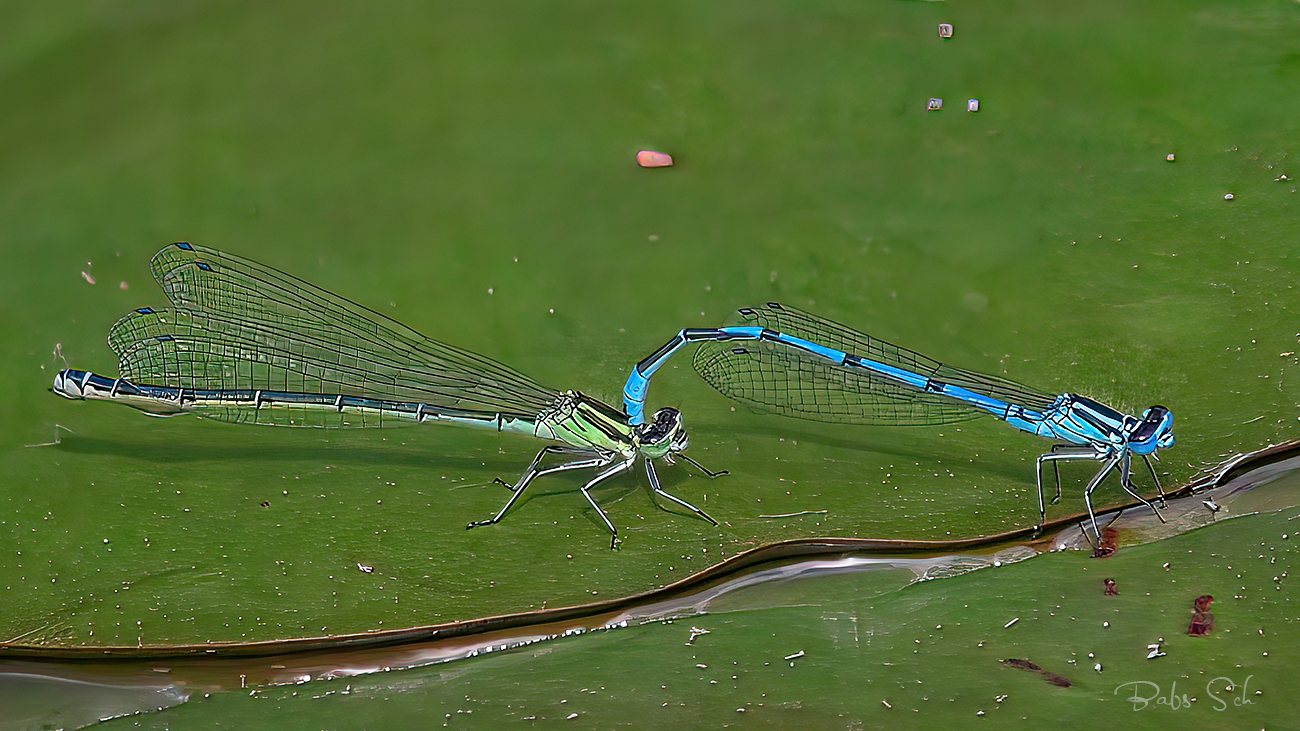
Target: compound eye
{"type": "Point", "coordinates": [668, 418]}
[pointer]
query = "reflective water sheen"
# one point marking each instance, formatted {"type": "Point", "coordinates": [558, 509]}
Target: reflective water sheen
{"type": "Point", "coordinates": [878, 598]}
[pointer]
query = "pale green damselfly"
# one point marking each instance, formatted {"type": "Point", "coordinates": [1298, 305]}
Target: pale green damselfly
{"type": "Point", "coordinates": [246, 343]}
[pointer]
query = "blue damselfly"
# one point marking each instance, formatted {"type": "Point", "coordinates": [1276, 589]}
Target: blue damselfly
{"type": "Point", "coordinates": [807, 367]}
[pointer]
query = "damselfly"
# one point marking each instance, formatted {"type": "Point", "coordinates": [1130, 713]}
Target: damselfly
{"type": "Point", "coordinates": [807, 367]}
{"type": "Point", "coordinates": [246, 343]}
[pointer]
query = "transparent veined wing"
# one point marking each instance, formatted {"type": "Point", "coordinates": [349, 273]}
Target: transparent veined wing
{"type": "Point", "coordinates": [239, 325]}
{"type": "Point", "coordinates": [773, 377]}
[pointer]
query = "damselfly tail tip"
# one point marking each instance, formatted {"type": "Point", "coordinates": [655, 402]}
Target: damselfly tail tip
{"type": "Point", "coordinates": [67, 384]}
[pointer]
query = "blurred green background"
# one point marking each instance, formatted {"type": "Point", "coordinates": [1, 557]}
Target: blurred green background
{"type": "Point", "coordinates": [469, 170]}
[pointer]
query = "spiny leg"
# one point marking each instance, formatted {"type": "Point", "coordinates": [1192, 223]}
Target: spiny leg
{"type": "Point", "coordinates": [533, 471]}
{"type": "Point", "coordinates": [1087, 495]}
{"type": "Point", "coordinates": [654, 485]}
{"type": "Point", "coordinates": [1042, 509]}
{"type": "Point", "coordinates": [553, 449]}
{"type": "Point", "coordinates": [1154, 479]}
{"type": "Point", "coordinates": [1127, 483]}
{"type": "Point", "coordinates": [707, 472]}
{"type": "Point", "coordinates": [1054, 457]}
{"type": "Point", "coordinates": [604, 475]}
{"type": "Point", "coordinates": [1056, 469]}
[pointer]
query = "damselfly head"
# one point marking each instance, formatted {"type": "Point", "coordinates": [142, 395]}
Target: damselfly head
{"type": "Point", "coordinates": [663, 436]}
{"type": "Point", "coordinates": [1155, 431]}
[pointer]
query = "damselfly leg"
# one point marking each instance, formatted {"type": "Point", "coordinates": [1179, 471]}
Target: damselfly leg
{"type": "Point", "coordinates": [1059, 453]}
{"type": "Point", "coordinates": [1065, 452]}
{"type": "Point", "coordinates": [604, 475]}
{"type": "Point", "coordinates": [1155, 480]}
{"type": "Point", "coordinates": [609, 467]}
{"type": "Point", "coordinates": [707, 472]}
{"type": "Point", "coordinates": [1127, 484]}
{"type": "Point", "coordinates": [595, 460]}
{"type": "Point", "coordinates": [654, 485]}
{"type": "Point", "coordinates": [553, 449]}
{"type": "Point", "coordinates": [1087, 495]}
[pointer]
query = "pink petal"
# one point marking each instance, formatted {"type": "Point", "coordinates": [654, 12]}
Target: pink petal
{"type": "Point", "coordinates": [652, 159]}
